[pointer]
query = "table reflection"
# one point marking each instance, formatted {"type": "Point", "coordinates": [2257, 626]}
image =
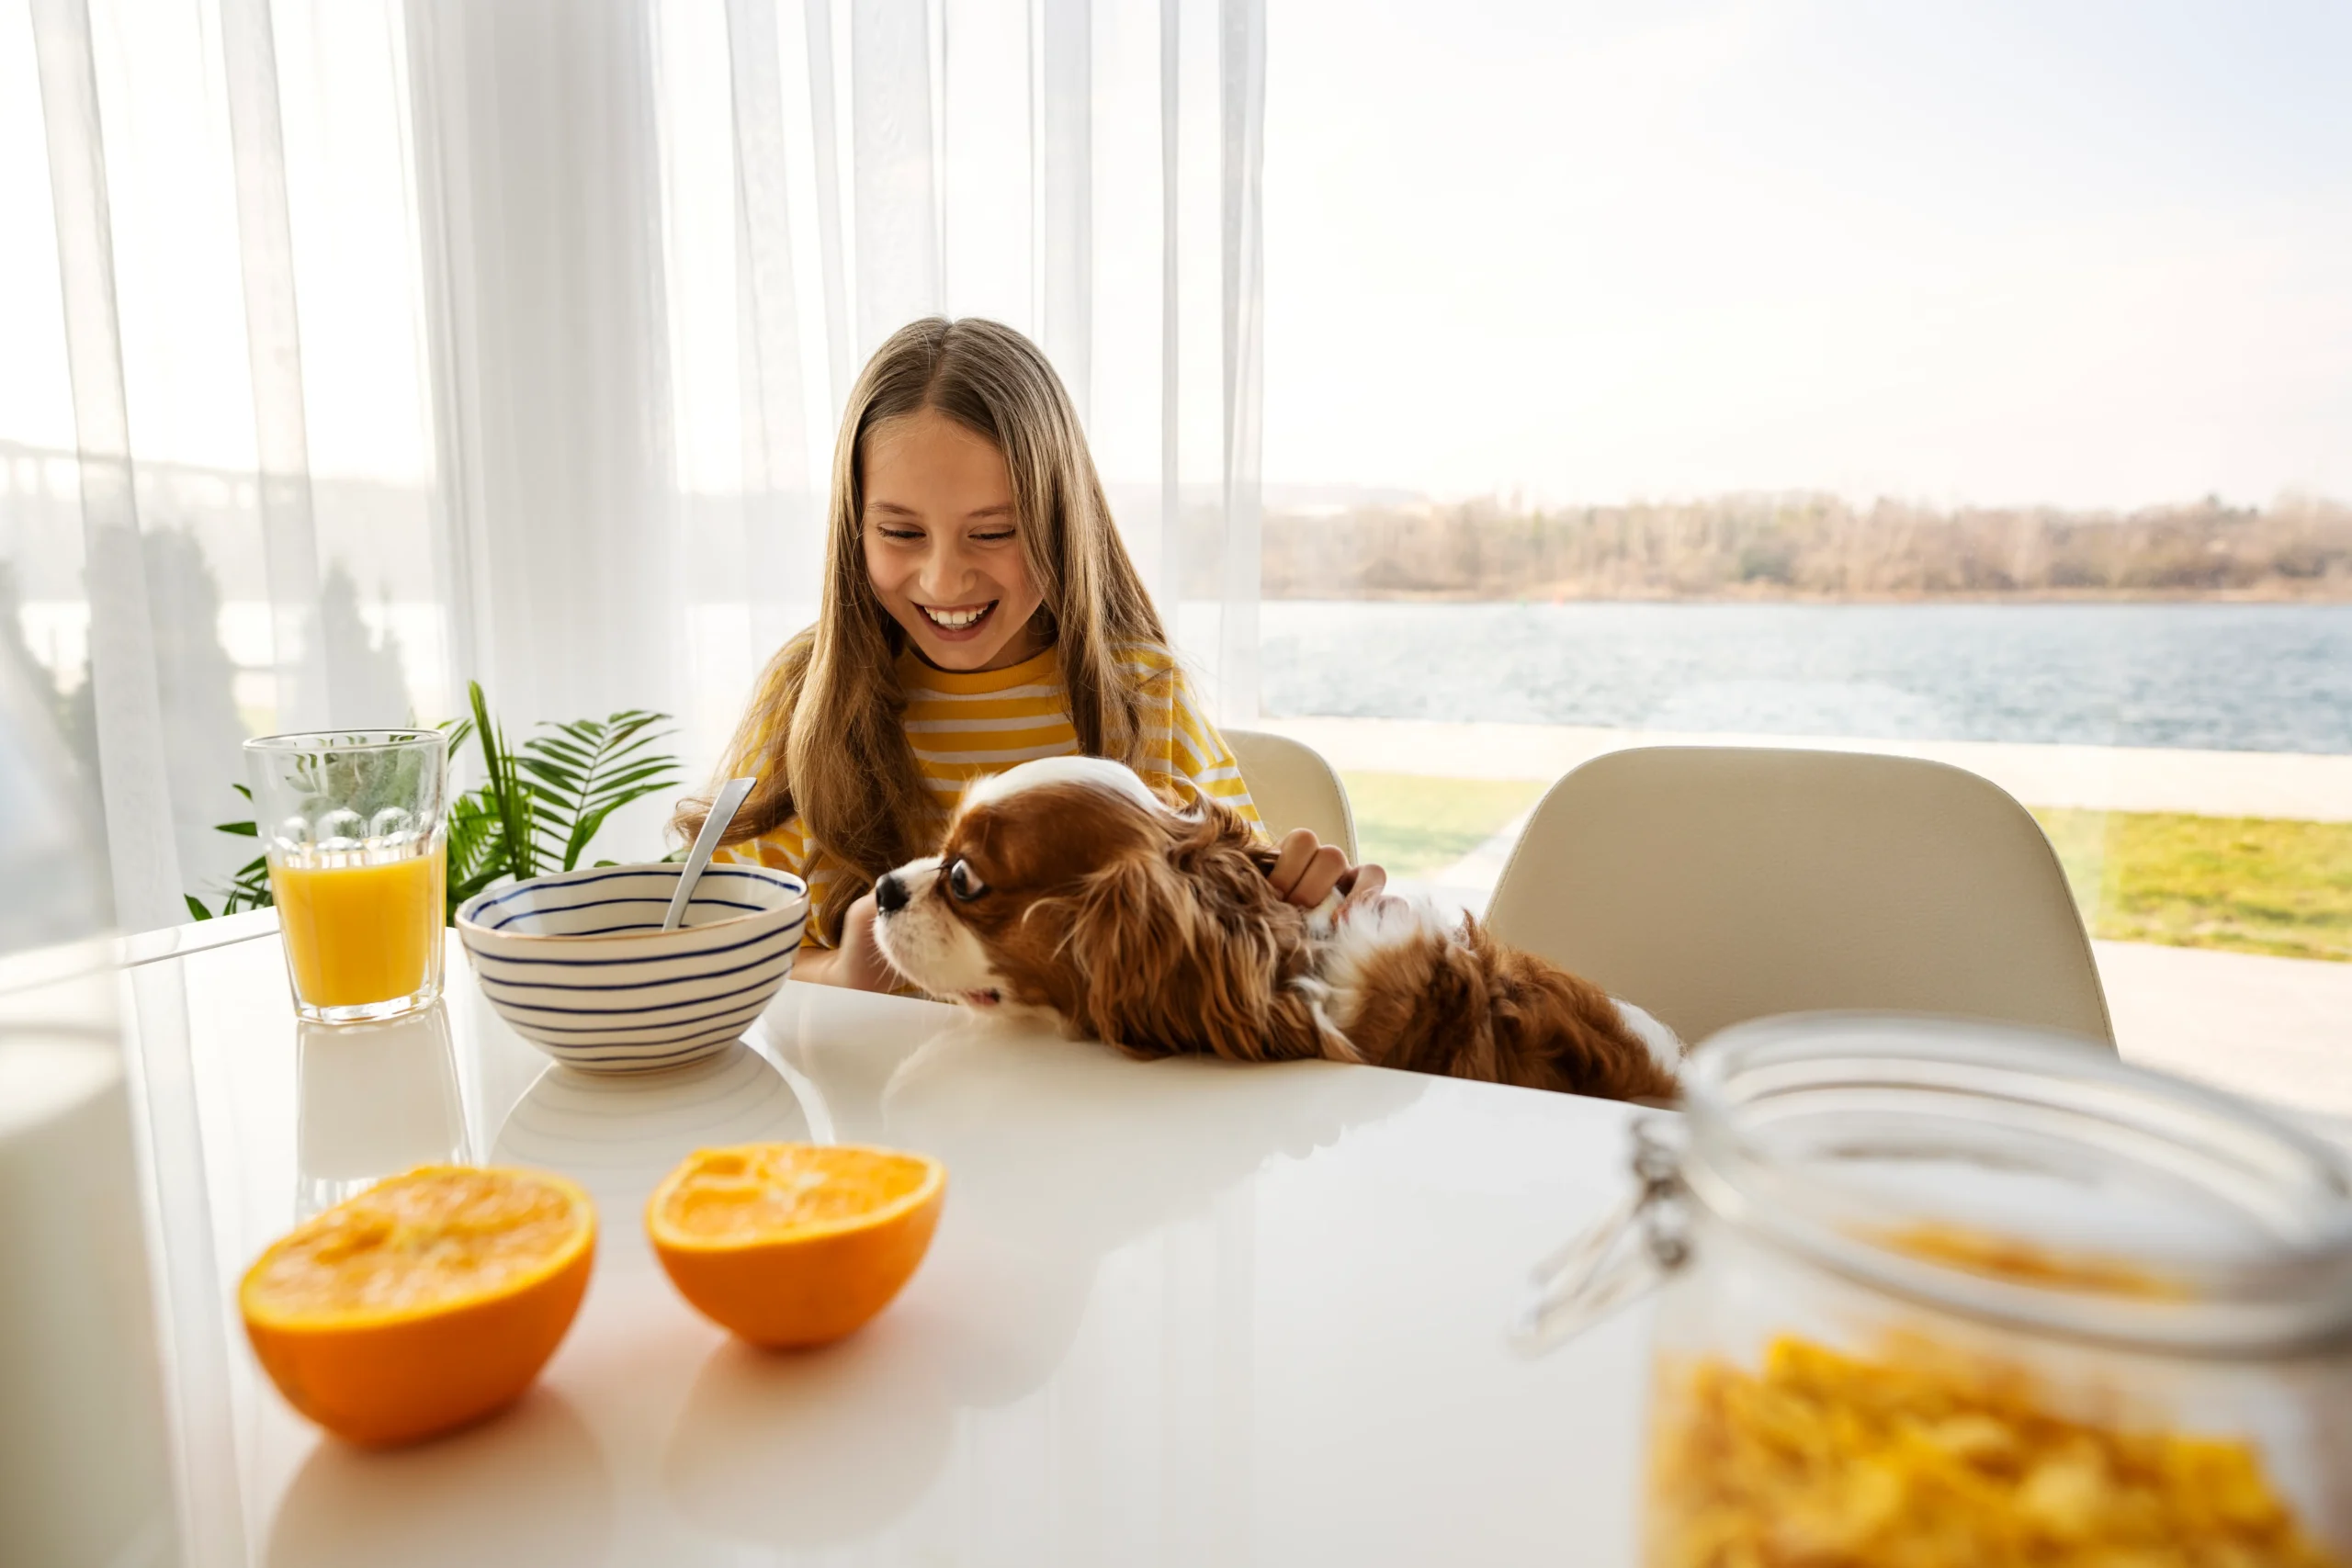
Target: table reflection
{"type": "Point", "coordinates": [810, 1448]}
{"type": "Point", "coordinates": [619, 1134]}
{"type": "Point", "coordinates": [528, 1487]}
{"type": "Point", "coordinates": [374, 1100]}
{"type": "Point", "coordinates": [1055, 1161]}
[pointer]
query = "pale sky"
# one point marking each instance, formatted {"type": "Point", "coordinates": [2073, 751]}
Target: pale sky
{"type": "Point", "coordinates": [2086, 254]}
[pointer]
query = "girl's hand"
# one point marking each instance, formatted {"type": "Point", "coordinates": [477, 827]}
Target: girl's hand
{"type": "Point", "coordinates": [1306, 869]}
{"type": "Point", "coordinates": [857, 963]}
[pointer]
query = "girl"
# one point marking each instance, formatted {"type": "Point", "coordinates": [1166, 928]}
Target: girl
{"type": "Point", "coordinates": [979, 611]}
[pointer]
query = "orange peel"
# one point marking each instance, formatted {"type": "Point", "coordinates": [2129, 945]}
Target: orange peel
{"type": "Point", "coordinates": [424, 1304]}
{"type": "Point", "coordinates": [795, 1243]}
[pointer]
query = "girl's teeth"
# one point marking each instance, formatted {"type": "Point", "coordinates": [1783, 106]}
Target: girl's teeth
{"type": "Point", "coordinates": [955, 620]}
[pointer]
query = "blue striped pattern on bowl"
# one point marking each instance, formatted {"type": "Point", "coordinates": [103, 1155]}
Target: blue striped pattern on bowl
{"type": "Point", "coordinates": [579, 965]}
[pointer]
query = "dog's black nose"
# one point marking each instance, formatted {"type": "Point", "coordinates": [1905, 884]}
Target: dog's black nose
{"type": "Point", "coordinates": [891, 894]}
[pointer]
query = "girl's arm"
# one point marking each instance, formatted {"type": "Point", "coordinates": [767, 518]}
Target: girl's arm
{"type": "Point", "coordinates": [857, 963]}
{"type": "Point", "coordinates": [818, 965]}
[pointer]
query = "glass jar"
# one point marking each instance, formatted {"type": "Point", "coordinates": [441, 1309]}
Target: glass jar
{"type": "Point", "coordinates": [1941, 1293]}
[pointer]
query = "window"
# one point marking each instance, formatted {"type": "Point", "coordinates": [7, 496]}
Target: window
{"type": "Point", "coordinates": [1968, 381]}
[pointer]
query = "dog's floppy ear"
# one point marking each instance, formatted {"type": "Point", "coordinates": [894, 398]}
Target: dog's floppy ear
{"type": "Point", "coordinates": [1225, 858]}
{"type": "Point", "coordinates": [1190, 951]}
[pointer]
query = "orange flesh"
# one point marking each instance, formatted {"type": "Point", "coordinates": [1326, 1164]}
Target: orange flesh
{"type": "Point", "coordinates": [429, 1239]}
{"type": "Point", "coordinates": [768, 1191]}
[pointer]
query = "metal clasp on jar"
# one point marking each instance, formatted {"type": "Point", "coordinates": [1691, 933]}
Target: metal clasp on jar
{"type": "Point", "coordinates": [1622, 1256]}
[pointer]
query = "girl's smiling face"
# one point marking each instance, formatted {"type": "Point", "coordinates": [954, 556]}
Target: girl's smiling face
{"type": "Point", "coordinates": [943, 542]}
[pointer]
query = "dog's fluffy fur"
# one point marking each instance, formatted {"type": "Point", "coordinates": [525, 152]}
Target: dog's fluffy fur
{"type": "Point", "coordinates": [1067, 887]}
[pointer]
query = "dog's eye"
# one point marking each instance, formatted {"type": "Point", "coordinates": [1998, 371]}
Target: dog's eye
{"type": "Point", "coordinates": [963, 883]}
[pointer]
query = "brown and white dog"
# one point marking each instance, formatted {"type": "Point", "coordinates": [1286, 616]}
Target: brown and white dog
{"type": "Point", "coordinates": [1066, 887]}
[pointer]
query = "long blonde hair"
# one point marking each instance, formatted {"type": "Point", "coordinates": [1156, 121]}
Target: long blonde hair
{"type": "Point", "coordinates": [824, 731]}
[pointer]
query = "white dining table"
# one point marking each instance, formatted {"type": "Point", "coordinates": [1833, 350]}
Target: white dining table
{"type": "Point", "coordinates": [1177, 1312]}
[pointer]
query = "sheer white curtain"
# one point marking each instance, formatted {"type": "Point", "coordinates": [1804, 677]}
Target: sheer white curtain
{"type": "Point", "coordinates": [358, 348]}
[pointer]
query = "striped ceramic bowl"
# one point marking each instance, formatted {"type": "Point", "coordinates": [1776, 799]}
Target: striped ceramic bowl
{"type": "Point", "coordinates": [579, 965]}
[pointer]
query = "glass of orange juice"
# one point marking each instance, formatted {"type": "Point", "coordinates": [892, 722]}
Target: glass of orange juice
{"type": "Point", "coordinates": [352, 824]}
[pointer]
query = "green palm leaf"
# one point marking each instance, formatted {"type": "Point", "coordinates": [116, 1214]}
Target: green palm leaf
{"type": "Point", "coordinates": [476, 848]}
{"type": "Point", "coordinates": [507, 792]}
{"type": "Point", "coordinates": [589, 768]}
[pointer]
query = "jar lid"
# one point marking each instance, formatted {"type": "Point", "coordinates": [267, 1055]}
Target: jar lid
{"type": "Point", "coordinates": [2024, 1178]}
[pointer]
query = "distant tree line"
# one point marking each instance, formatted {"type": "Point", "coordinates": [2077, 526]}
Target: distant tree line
{"type": "Point", "coordinates": [1811, 545]}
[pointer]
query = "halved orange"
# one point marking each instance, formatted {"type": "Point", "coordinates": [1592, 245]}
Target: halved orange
{"type": "Point", "coordinates": [425, 1303]}
{"type": "Point", "coordinates": [795, 1243]}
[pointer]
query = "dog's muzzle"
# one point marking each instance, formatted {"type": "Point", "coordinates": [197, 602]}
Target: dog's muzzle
{"type": "Point", "coordinates": [891, 894]}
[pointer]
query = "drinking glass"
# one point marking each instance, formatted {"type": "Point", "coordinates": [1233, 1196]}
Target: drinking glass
{"type": "Point", "coordinates": [353, 825]}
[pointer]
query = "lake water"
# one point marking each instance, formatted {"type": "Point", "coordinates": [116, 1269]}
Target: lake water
{"type": "Point", "coordinates": [2221, 677]}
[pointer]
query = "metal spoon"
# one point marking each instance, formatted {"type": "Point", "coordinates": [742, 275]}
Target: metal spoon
{"type": "Point", "coordinates": [722, 812]}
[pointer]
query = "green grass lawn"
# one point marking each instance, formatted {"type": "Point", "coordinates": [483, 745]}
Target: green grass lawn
{"type": "Point", "coordinates": [1413, 826]}
{"type": "Point", "coordinates": [2248, 885]}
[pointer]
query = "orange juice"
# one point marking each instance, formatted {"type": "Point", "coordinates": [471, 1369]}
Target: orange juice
{"type": "Point", "coordinates": [358, 934]}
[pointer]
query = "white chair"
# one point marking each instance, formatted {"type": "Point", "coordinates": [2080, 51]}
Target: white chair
{"type": "Point", "coordinates": [1293, 786]}
{"type": "Point", "coordinates": [1712, 885]}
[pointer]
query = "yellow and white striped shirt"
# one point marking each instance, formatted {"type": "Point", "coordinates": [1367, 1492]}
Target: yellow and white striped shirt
{"type": "Point", "coordinates": [966, 727]}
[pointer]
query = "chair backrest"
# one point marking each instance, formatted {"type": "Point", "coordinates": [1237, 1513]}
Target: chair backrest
{"type": "Point", "coordinates": [1293, 786]}
{"type": "Point", "coordinates": [1712, 885]}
